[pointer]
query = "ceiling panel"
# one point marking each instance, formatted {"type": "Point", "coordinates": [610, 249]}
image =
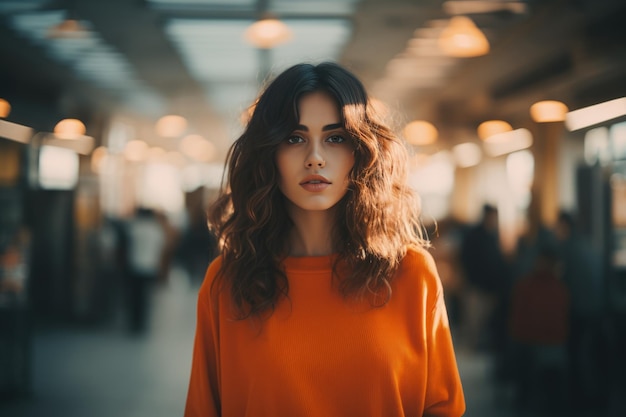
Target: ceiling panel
{"type": "Point", "coordinates": [231, 69]}
{"type": "Point", "coordinates": [87, 56]}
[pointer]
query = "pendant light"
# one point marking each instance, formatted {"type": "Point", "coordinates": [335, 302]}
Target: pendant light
{"type": "Point", "coordinates": [462, 39]}
{"type": "Point", "coordinates": [268, 33]}
{"type": "Point", "coordinates": [5, 108]}
{"type": "Point", "coordinates": [548, 111]}
{"type": "Point", "coordinates": [420, 133]}
{"type": "Point", "coordinates": [493, 127]}
{"type": "Point", "coordinates": [69, 129]}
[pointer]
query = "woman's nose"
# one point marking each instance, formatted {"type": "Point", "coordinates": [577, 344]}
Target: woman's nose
{"type": "Point", "coordinates": [315, 159]}
{"type": "Point", "coordinates": [315, 162]}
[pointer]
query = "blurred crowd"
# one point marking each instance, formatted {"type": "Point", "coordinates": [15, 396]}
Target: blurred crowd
{"type": "Point", "coordinates": [539, 311]}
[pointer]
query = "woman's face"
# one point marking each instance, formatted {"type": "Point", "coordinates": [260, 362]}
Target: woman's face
{"type": "Point", "coordinates": [315, 160]}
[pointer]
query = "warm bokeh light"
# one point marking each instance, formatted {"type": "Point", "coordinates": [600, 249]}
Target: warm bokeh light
{"type": "Point", "coordinates": [418, 160]}
{"type": "Point", "coordinates": [483, 6]}
{"type": "Point", "coordinates": [197, 148]}
{"type": "Point", "coordinates": [68, 29]}
{"type": "Point", "coordinates": [520, 169]}
{"type": "Point", "coordinates": [135, 150]}
{"type": "Point", "coordinates": [202, 175]}
{"type": "Point", "coordinates": [69, 129]}
{"type": "Point", "coordinates": [598, 113]}
{"type": "Point", "coordinates": [436, 176]}
{"type": "Point", "coordinates": [159, 186]}
{"type": "Point", "coordinates": [433, 179]}
{"type": "Point", "coordinates": [467, 154]}
{"type": "Point", "coordinates": [420, 133]}
{"type": "Point", "coordinates": [171, 126]}
{"type": "Point", "coordinates": [462, 39]}
{"type": "Point", "coordinates": [58, 168]}
{"type": "Point", "coordinates": [492, 127]}
{"type": "Point", "coordinates": [5, 108]}
{"type": "Point", "coordinates": [504, 143]}
{"type": "Point", "coordinates": [97, 158]}
{"type": "Point", "coordinates": [548, 111]}
{"type": "Point", "coordinates": [156, 154]}
{"type": "Point", "coordinates": [268, 33]}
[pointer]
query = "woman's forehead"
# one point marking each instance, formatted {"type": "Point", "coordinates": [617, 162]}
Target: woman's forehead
{"type": "Point", "coordinates": [318, 105]}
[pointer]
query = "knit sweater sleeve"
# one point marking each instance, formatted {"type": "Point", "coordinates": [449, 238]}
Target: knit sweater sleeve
{"type": "Point", "coordinates": [203, 396]}
{"type": "Point", "coordinates": [444, 393]}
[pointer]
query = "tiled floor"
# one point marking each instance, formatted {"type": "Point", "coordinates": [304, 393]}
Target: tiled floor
{"type": "Point", "coordinates": [105, 373]}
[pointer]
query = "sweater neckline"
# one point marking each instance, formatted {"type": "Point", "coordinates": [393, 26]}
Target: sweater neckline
{"type": "Point", "coordinates": [310, 263]}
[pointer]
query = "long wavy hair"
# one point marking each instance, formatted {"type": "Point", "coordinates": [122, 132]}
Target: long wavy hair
{"type": "Point", "coordinates": [377, 220]}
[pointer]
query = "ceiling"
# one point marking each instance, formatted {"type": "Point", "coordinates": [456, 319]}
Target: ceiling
{"type": "Point", "coordinates": [147, 58]}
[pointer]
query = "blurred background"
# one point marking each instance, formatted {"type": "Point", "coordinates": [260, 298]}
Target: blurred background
{"type": "Point", "coordinates": [116, 116]}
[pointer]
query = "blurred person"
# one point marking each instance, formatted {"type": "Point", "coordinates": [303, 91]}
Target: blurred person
{"type": "Point", "coordinates": [539, 325]}
{"type": "Point", "coordinates": [486, 274]}
{"type": "Point", "coordinates": [324, 300]}
{"type": "Point", "coordinates": [146, 243]}
{"type": "Point", "coordinates": [583, 275]}
{"type": "Point", "coordinates": [535, 237]}
{"type": "Point", "coordinates": [196, 246]}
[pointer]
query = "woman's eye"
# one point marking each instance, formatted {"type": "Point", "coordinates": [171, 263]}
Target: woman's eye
{"type": "Point", "coordinates": [295, 139]}
{"type": "Point", "coordinates": [336, 139]}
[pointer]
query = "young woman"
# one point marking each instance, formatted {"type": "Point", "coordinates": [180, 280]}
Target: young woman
{"type": "Point", "coordinates": [323, 301]}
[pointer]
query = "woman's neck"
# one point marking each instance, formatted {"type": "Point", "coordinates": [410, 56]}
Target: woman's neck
{"type": "Point", "coordinates": [312, 233]}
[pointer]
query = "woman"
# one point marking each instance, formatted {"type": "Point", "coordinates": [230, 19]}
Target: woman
{"type": "Point", "coordinates": [323, 301]}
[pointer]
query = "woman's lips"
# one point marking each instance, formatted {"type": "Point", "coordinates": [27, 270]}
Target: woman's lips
{"type": "Point", "coordinates": [315, 183]}
{"type": "Point", "coordinates": [315, 187]}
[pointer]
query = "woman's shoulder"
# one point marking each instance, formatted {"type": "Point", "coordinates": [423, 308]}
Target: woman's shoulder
{"type": "Point", "coordinates": [214, 266]}
{"type": "Point", "coordinates": [211, 273]}
{"type": "Point", "coordinates": [419, 264]}
{"type": "Point", "coordinates": [418, 257]}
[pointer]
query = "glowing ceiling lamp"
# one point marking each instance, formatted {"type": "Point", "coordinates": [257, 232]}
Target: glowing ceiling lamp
{"type": "Point", "coordinates": [5, 108]}
{"type": "Point", "coordinates": [548, 111]}
{"type": "Point", "coordinates": [462, 39]}
{"type": "Point", "coordinates": [420, 133]}
{"type": "Point", "coordinates": [267, 33]}
{"type": "Point", "coordinates": [98, 156]}
{"type": "Point", "coordinates": [171, 126]}
{"type": "Point", "coordinates": [467, 154]}
{"type": "Point", "coordinates": [69, 129]}
{"type": "Point", "coordinates": [492, 127]}
{"type": "Point", "coordinates": [135, 150]}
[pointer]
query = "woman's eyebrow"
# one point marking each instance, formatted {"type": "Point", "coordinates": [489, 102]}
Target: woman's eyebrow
{"type": "Point", "coordinates": [324, 129]}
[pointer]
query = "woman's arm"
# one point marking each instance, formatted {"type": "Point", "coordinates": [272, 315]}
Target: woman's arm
{"type": "Point", "coordinates": [444, 393]}
{"type": "Point", "coordinates": [203, 396]}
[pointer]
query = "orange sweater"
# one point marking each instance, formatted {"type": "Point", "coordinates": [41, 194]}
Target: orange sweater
{"type": "Point", "coordinates": [319, 355]}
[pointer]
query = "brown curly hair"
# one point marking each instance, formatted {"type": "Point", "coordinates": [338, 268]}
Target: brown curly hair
{"type": "Point", "coordinates": [378, 218]}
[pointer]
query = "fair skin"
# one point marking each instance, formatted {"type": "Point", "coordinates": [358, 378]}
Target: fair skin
{"type": "Point", "coordinates": [314, 164]}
